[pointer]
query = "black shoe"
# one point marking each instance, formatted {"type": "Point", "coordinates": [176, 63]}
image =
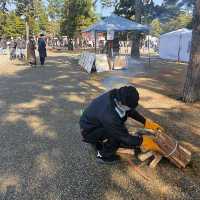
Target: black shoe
{"type": "Point", "coordinates": [107, 160]}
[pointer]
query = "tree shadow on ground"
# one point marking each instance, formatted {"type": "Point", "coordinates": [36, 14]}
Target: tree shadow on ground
{"type": "Point", "coordinates": [42, 155]}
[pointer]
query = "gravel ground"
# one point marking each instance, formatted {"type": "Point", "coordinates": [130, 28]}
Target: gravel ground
{"type": "Point", "coordinates": [42, 156]}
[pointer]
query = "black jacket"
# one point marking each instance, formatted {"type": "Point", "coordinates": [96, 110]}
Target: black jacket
{"type": "Point", "coordinates": [101, 114]}
{"type": "Point", "coordinates": [42, 47]}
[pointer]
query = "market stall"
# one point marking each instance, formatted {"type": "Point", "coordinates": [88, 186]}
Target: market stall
{"type": "Point", "coordinates": [111, 25]}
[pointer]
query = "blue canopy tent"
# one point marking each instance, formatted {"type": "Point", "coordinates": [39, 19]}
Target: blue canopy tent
{"type": "Point", "coordinates": [116, 24]}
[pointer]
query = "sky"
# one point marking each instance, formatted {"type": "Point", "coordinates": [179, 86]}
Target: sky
{"type": "Point", "coordinates": [107, 11]}
{"type": "Point", "coordinates": [102, 11]}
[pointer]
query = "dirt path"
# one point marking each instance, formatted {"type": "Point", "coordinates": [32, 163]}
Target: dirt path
{"type": "Point", "coordinates": [42, 155]}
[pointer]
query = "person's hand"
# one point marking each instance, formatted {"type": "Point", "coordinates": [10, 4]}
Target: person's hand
{"type": "Point", "coordinates": [149, 124]}
{"type": "Point", "coordinates": [148, 144]}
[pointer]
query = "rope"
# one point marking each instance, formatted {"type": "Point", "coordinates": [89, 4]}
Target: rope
{"type": "Point", "coordinates": [172, 152]}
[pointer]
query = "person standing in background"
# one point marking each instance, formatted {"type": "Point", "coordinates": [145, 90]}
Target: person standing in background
{"type": "Point", "coordinates": [108, 49]}
{"type": "Point", "coordinates": [4, 46]}
{"type": "Point", "coordinates": [23, 48]}
{"type": "Point", "coordinates": [1, 46]}
{"type": "Point", "coordinates": [116, 48]}
{"type": "Point", "coordinates": [42, 49]}
{"type": "Point", "coordinates": [18, 49]}
{"type": "Point", "coordinates": [31, 46]}
{"type": "Point", "coordinates": [12, 47]}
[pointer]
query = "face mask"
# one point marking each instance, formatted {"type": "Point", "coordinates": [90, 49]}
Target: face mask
{"type": "Point", "coordinates": [121, 109]}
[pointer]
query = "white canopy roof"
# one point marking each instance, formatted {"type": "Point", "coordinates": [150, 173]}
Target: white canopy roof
{"type": "Point", "coordinates": [116, 23]}
{"type": "Point", "coordinates": [177, 32]}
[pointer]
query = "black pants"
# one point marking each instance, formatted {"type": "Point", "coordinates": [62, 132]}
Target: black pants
{"type": "Point", "coordinates": [42, 60]}
{"type": "Point", "coordinates": [108, 143]}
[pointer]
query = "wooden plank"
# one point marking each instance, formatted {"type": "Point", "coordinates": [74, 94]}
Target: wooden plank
{"type": "Point", "coordinates": [155, 161]}
{"type": "Point", "coordinates": [126, 151]}
{"type": "Point", "coordinates": [145, 156]}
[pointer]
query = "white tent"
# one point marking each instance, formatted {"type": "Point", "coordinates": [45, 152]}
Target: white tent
{"type": "Point", "coordinates": [176, 45]}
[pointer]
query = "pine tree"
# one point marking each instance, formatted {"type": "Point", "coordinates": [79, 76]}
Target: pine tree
{"type": "Point", "coordinates": [77, 14]}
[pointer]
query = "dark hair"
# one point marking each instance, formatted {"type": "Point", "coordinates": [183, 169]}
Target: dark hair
{"type": "Point", "coordinates": [129, 96]}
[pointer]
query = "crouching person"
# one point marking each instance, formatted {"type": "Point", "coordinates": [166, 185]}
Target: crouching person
{"type": "Point", "coordinates": [103, 123]}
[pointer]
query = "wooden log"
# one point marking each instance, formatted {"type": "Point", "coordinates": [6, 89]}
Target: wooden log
{"type": "Point", "coordinates": [172, 150]}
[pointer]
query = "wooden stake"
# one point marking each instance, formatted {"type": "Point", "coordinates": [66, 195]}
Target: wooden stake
{"type": "Point", "coordinates": [156, 160]}
{"type": "Point", "coordinates": [145, 156]}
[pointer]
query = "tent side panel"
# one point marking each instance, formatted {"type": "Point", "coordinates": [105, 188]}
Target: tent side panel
{"type": "Point", "coordinates": [169, 47]}
{"type": "Point", "coordinates": [185, 46]}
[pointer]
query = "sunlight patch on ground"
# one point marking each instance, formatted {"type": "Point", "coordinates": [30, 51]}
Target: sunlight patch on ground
{"type": "Point", "coordinates": [55, 195]}
{"type": "Point", "coordinates": [47, 87]}
{"type": "Point", "coordinates": [8, 68]}
{"type": "Point", "coordinates": [157, 186]}
{"type": "Point", "coordinates": [34, 104]}
{"type": "Point", "coordinates": [45, 165]}
{"type": "Point", "coordinates": [61, 77]}
{"type": "Point", "coordinates": [119, 179]}
{"type": "Point", "coordinates": [16, 112]}
{"type": "Point", "coordinates": [189, 126]}
{"type": "Point", "coordinates": [7, 181]}
{"type": "Point", "coordinates": [96, 84]}
{"type": "Point", "coordinates": [74, 98]}
{"type": "Point", "coordinates": [39, 127]}
{"type": "Point", "coordinates": [156, 105]}
{"type": "Point", "coordinates": [114, 195]}
{"type": "Point", "coordinates": [12, 118]}
{"type": "Point", "coordinates": [192, 147]}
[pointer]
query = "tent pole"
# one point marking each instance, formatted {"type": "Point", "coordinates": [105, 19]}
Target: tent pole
{"type": "Point", "coordinates": [149, 52]}
{"type": "Point", "coordinates": [95, 42]}
{"type": "Point", "coordinates": [126, 43]}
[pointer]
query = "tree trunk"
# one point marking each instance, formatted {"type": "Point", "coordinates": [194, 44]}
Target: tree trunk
{"type": "Point", "coordinates": [135, 50]}
{"type": "Point", "coordinates": [191, 91]}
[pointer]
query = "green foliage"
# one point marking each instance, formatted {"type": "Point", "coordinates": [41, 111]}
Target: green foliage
{"type": "Point", "coordinates": [35, 13]}
{"type": "Point", "coordinates": [55, 8]}
{"type": "Point", "coordinates": [129, 9]}
{"type": "Point", "coordinates": [156, 28]}
{"type": "Point", "coordinates": [3, 17]}
{"type": "Point", "coordinates": [77, 15]}
{"type": "Point", "coordinates": [14, 26]}
{"type": "Point", "coordinates": [183, 20]}
{"type": "Point", "coordinates": [40, 14]}
{"type": "Point", "coordinates": [24, 7]}
{"type": "Point", "coordinates": [53, 28]}
{"type": "Point", "coordinates": [125, 8]}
